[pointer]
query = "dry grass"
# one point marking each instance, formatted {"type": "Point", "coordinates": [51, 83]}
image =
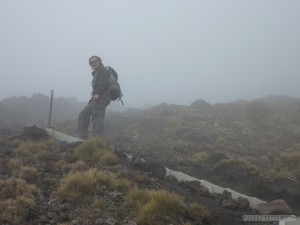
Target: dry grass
{"type": "Point", "coordinates": [65, 167]}
{"type": "Point", "coordinates": [16, 199]}
{"type": "Point", "coordinates": [14, 168]}
{"type": "Point", "coordinates": [138, 197]}
{"type": "Point", "coordinates": [199, 157]}
{"type": "Point", "coordinates": [99, 203]}
{"type": "Point", "coordinates": [42, 150]}
{"type": "Point", "coordinates": [28, 173]}
{"type": "Point", "coordinates": [199, 212]}
{"type": "Point", "coordinates": [142, 178]}
{"type": "Point", "coordinates": [94, 150]}
{"type": "Point", "coordinates": [62, 165]}
{"type": "Point", "coordinates": [84, 186]}
{"type": "Point", "coordinates": [10, 167]}
{"type": "Point", "coordinates": [155, 207]}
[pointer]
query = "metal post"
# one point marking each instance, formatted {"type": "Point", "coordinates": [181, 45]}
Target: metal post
{"type": "Point", "coordinates": [50, 112]}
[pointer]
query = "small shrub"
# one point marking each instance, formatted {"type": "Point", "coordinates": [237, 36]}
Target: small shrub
{"type": "Point", "coordinates": [94, 150]}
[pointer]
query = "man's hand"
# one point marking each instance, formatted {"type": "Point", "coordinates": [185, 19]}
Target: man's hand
{"type": "Point", "coordinates": [95, 98]}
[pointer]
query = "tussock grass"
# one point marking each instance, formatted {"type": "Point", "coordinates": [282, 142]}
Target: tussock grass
{"type": "Point", "coordinates": [42, 150]}
{"type": "Point", "coordinates": [15, 163]}
{"type": "Point", "coordinates": [16, 199]}
{"type": "Point", "coordinates": [199, 212]}
{"type": "Point", "coordinates": [99, 203]}
{"type": "Point", "coordinates": [28, 173]}
{"type": "Point", "coordinates": [138, 197]}
{"type": "Point", "coordinates": [155, 207]}
{"type": "Point", "coordinates": [65, 167]}
{"type": "Point", "coordinates": [10, 167]}
{"type": "Point", "coordinates": [199, 157]}
{"type": "Point", "coordinates": [141, 178]}
{"type": "Point", "coordinates": [62, 165]}
{"type": "Point", "coordinates": [84, 186]}
{"type": "Point", "coordinates": [94, 150]}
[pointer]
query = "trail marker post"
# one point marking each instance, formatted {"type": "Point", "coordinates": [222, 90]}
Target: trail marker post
{"type": "Point", "coordinates": [50, 111]}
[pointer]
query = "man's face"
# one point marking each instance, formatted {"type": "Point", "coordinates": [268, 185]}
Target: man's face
{"type": "Point", "coordinates": [94, 63]}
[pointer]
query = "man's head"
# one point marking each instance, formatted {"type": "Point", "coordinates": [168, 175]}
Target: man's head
{"type": "Point", "coordinates": [95, 62]}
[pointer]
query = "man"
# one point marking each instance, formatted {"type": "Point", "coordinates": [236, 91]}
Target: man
{"type": "Point", "coordinates": [99, 101]}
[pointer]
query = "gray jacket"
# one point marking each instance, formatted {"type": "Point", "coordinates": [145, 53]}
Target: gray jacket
{"type": "Point", "coordinates": [100, 83]}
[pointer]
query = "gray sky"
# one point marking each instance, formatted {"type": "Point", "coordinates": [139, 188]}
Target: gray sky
{"type": "Point", "coordinates": [171, 51]}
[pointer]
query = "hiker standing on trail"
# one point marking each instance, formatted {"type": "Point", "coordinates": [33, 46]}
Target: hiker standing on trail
{"type": "Point", "coordinates": [99, 101]}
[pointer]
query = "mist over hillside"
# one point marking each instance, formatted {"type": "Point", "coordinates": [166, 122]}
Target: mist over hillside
{"type": "Point", "coordinates": [250, 146]}
{"type": "Point", "coordinates": [35, 110]}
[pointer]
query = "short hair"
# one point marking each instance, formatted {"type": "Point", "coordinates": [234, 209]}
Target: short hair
{"type": "Point", "coordinates": [97, 57]}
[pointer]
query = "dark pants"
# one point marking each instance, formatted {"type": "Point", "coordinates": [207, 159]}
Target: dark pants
{"type": "Point", "coordinates": [96, 110]}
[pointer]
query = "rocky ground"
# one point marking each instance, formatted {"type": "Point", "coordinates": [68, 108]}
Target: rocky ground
{"type": "Point", "coordinates": [30, 179]}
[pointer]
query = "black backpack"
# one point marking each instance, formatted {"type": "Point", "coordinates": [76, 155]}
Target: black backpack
{"type": "Point", "coordinates": [114, 86]}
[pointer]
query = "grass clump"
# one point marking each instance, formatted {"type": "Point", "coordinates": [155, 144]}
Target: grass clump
{"type": "Point", "coordinates": [84, 186]}
{"type": "Point", "coordinates": [199, 212]}
{"type": "Point", "coordinates": [28, 173]}
{"type": "Point", "coordinates": [200, 157]}
{"type": "Point", "coordinates": [155, 207]}
{"type": "Point", "coordinates": [42, 150]}
{"type": "Point", "coordinates": [94, 150]}
{"type": "Point", "coordinates": [10, 167]}
{"type": "Point", "coordinates": [17, 198]}
{"type": "Point", "coordinates": [138, 197]}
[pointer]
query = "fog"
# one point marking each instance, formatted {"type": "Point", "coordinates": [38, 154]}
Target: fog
{"type": "Point", "coordinates": [169, 51]}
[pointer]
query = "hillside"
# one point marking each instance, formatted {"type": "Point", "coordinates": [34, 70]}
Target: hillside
{"type": "Point", "coordinates": [250, 146]}
{"type": "Point", "coordinates": [47, 182]}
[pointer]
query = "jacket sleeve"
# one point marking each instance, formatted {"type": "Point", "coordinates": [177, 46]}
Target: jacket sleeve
{"type": "Point", "coordinates": [101, 81]}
